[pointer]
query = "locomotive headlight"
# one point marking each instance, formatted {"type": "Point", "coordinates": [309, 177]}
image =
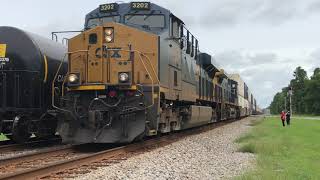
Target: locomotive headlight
{"type": "Point", "coordinates": [123, 77]}
{"type": "Point", "coordinates": [109, 39]}
{"type": "Point", "coordinates": [109, 32]}
{"type": "Point", "coordinates": [73, 78]}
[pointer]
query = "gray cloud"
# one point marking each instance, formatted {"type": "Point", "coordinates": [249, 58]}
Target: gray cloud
{"type": "Point", "coordinates": [277, 12]}
{"type": "Point", "coordinates": [316, 55]}
{"type": "Point", "coordinates": [232, 12]}
{"type": "Point", "coordinates": [265, 73]}
{"type": "Point", "coordinates": [314, 7]}
{"type": "Point", "coordinates": [314, 60]}
{"type": "Point", "coordinates": [262, 58]}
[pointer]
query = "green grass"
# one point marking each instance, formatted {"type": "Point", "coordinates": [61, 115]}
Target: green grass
{"type": "Point", "coordinates": [301, 116]}
{"type": "Point", "coordinates": [283, 153]}
{"type": "Point", "coordinates": [2, 137]}
{"type": "Point", "coordinates": [306, 116]}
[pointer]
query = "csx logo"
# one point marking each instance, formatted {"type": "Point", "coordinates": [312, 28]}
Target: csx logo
{"type": "Point", "coordinates": [60, 78]}
{"type": "Point", "coordinates": [106, 53]}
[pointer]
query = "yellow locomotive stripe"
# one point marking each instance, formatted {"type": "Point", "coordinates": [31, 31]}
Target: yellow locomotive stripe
{"type": "Point", "coordinates": [3, 49]}
{"type": "Point", "coordinates": [45, 69]}
{"type": "Point", "coordinates": [88, 88]}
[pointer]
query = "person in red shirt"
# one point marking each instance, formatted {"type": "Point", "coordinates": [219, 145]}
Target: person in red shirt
{"type": "Point", "coordinates": [283, 118]}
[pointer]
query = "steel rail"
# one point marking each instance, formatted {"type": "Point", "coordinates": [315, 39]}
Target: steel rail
{"type": "Point", "coordinates": [35, 155]}
{"type": "Point", "coordinates": [81, 160]}
{"type": "Point", "coordinates": [61, 166]}
{"type": "Point", "coordinates": [30, 144]}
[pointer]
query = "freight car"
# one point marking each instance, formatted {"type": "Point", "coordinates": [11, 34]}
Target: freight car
{"type": "Point", "coordinates": [28, 64]}
{"type": "Point", "coordinates": [137, 71]}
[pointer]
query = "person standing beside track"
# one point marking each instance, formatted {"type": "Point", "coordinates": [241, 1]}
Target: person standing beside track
{"type": "Point", "coordinates": [283, 118]}
{"type": "Point", "coordinates": [288, 118]}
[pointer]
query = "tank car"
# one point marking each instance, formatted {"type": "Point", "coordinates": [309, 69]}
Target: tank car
{"type": "Point", "coordinates": [28, 64]}
{"type": "Point", "coordinates": [137, 71]}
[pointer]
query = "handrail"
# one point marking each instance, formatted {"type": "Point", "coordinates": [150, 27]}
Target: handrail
{"type": "Point", "coordinates": [55, 36]}
{"type": "Point", "coordinates": [151, 81]}
{"type": "Point", "coordinates": [55, 78]}
{"type": "Point", "coordinates": [154, 72]}
{"type": "Point", "coordinates": [53, 85]}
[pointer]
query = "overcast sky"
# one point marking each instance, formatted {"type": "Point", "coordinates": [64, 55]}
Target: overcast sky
{"type": "Point", "coordinates": [263, 40]}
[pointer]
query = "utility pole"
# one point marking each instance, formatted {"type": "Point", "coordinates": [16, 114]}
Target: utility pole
{"type": "Point", "coordinates": [285, 102]}
{"type": "Point", "coordinates": [290, 96]}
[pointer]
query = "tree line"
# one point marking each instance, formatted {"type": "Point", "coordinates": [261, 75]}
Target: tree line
{"type": "Point", "coordinates": [305, 97]}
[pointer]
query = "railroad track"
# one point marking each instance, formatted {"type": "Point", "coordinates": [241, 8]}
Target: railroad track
{"type": "Point", "coordinates": [68, 161]}
{"type": "Point", "coordinates": [34, 143]}
{"type": "Point", "coordinates": [6, 142]}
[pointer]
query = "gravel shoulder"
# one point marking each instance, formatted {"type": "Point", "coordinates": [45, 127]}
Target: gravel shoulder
{"type": "Point", "coordinates": [209, 155]}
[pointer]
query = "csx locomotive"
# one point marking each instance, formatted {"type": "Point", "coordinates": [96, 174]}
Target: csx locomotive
{"type": "Point", "coordinates": [137, 71]}
{"type": "Point", "coordinates": [28, 64]}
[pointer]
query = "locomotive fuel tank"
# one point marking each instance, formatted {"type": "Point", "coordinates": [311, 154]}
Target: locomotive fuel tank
{"type": "Point", "coordinates": [28, 64]}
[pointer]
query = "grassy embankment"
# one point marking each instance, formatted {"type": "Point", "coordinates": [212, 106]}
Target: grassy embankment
{"type": "Point", "coordinates": [283, 153]}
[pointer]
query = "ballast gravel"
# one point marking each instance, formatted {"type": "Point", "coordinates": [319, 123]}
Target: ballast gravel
{"type": "Point", "coordinates": [209, 155]}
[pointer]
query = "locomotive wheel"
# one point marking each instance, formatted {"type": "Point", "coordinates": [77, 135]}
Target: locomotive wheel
{"type": "Point", "coordinates": [20, 128]}
{"type": "Point", "coordinates": [48, 123]}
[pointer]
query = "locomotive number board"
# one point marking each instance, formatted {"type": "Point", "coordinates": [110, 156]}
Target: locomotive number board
{"type": "Point", "coordinates": [146, 6]}
{"type": "Point", "coordinates": [105, 8]}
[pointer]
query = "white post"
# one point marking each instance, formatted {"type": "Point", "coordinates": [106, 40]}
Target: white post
{"type": "Point", "coordinates": [290, 96]}
{"type": "Point", "coordinates": [285, 103]}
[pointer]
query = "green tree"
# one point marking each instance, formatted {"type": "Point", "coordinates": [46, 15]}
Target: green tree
{"type": "Point", "coordinates": [312, 93]}
{"type": "Point", "coordinates": [298, 85]}
{"type": "Point", "coordinates": [306, 94]}
{"type": "Point", "coordinates": [278, 103]}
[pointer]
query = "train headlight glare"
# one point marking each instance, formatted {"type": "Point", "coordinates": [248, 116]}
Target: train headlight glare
{"type": "Point", "coordinates": [108, 32]}
{"type": "Point", "coordinates": [109, 39]}
{"type": "Point", "coordinates": [123, 77]}
{"type": "Point", "coordinates": [73, 78]}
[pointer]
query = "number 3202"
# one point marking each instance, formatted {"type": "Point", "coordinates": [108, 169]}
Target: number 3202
{"type": "Point", "coordinates": [140, 5]}
{"type": "Point", "coordinates": [107, 7]}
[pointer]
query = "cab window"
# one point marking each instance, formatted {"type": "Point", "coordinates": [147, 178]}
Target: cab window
{"type": "Point", "coordinates": [100, 21]}
{"type": "Point", "coordinates": [175, 28]}
{"type": "Point", "coordinates": [148, 21]}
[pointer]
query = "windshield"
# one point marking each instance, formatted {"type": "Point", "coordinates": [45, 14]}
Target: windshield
{"type": "Point", "coordinates": [100, 21]}
{"type": "Point", "coordinates": [151, 21]}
